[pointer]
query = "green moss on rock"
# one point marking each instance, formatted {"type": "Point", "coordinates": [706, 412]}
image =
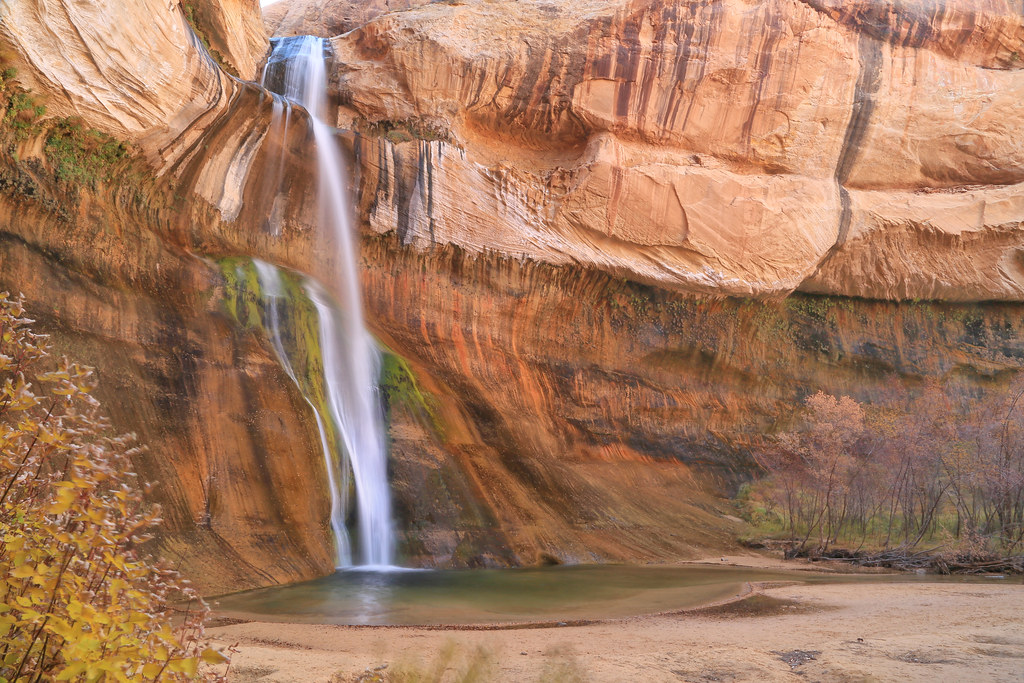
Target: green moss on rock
{"type": "Point", "coordinates": [83, 156]}
{"type": "Point", "coordinates": [399, 386]}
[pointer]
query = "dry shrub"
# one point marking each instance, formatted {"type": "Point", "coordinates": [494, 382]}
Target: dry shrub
{"type": "Point", "coordinates": [78, 600]}
{"type": "Point", "coordinates": [452, 664]}
{"type": "Point", "coordinates": [893, 475]}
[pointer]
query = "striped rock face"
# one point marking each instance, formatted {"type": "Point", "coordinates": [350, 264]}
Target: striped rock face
{"type": "Point", "coordinates": [746, 148]}
{"type": "Point", "coordinates": [543, 187]}
{"type": "Point", "coordinates": [729, 147]}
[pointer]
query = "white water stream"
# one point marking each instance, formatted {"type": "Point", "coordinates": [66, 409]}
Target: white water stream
{"type": "Point", "coordinates": [351, 362]}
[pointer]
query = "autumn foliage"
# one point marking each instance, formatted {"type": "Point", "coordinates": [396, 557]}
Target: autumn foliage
{"type": "Point", "coordinates": [78, 600]}
{"type": "Point", "coordinates": [909, 470]}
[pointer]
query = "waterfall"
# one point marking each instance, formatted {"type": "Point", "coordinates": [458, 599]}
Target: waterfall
{"type": "Point", "coordinates": [272, 290]}
{"type": "Point", "coordinates": [351, 362]}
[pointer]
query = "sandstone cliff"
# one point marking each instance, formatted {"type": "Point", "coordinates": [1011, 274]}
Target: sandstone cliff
{"type": "Point", "coordinates": [587, 418]}
{"type": "Point", "coordinates": [233, 33]}
{"type": "Point", "coordinates": [113, 242]}
{"type": "Point", "coordinates": [865, 149]}
{"type": "Point", "coordinates": [545, 187]}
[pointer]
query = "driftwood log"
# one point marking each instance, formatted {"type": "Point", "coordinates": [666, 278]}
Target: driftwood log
{"type": "Point", "coordinates": [905, 559]}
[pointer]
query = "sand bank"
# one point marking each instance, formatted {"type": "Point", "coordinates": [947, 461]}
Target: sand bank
{"type": "Point", "coordinates": [841, 632]}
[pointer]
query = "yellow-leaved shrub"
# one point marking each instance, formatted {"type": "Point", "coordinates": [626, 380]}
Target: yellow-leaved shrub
{"type": "Point", "coordinates": [78, 600]}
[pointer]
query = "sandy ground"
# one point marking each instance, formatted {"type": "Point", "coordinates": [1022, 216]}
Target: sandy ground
{"type": "Point", "coordinates": [863, 632]}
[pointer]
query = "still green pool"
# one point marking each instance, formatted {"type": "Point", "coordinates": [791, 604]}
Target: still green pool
{"type": "Point", "coordinates": [487, 596]}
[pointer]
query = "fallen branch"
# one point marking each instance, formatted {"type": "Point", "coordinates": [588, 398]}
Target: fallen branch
{"type": "Point", "coordinates": [932, 559]}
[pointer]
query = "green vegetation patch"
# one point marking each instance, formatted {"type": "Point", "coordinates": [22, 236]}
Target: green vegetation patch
{"type": "Point", "coordinates": [242, 293]}
{"type": "Point", "coordinates": [399, 387]}
{"type": "Point", "coordinates": [75, 156]}
{"type": "Point", "coordinates": [22, 114]}
{"type": "Point", "coordinates": [83, 156]}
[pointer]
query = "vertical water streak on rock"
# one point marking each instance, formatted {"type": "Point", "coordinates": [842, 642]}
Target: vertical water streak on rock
{"type": "Point", "coordinates": [273, 180]}
{"type": "Point", "coordinates": [426, 173]}
{"type": "Point", "coordinates": [868, 81]}
{"type": "Point", "coordinates": [350, 358]}
{"type": "Point", "coordinates": [272, 291]}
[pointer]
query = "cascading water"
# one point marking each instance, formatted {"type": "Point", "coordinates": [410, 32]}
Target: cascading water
{"type": "Point", "coordinates": [351, 362]}
{"type": "Point", "coordinates": [272, 289]}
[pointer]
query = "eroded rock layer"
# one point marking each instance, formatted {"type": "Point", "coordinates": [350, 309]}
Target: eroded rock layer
{"type": "Point", "coordinates": [588, 418]}
{"type": "Point", "coordinates": [230, 445]}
